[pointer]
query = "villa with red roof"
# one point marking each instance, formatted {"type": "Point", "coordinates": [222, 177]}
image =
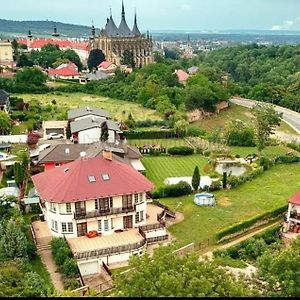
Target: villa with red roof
{"type": "Point", "coordinates": [99, 205]}
{"type": "Point", "coordinates": [64, 71]}
{"type": "Point", "coordinates": [182, 76]}
{"type": "Point", "coordinates": [291, 227]}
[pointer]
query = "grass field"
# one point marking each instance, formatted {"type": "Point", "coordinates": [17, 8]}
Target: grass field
{"type": "Point", "coordinates": [233, 113]}
{"type": "Point", "coordinates": [166, 143]}
{"type": "Point", "coordinates": [159, 168]}
{"type": "Point", "coordinates": [118, 109]}
{"type": "Point", "coordinates": [265, 193]}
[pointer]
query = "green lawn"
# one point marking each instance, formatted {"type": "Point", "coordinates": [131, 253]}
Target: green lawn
{"type": "Point", "coordinates": [118, 109]}
{"type": "Point", "coordinates": [159, 168]}
{"type": "Point", "coordinates": [266, 192]}
{"type": "Point", "coordinates": [167, 143]}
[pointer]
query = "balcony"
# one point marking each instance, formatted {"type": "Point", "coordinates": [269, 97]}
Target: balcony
{"type": "Point", "coordinates": [104, 213]}
{"type": "Point", "coordinates": [295, 216]}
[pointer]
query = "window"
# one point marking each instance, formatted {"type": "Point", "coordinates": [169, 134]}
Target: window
{"type": "Point", "coordinates": [52, 207]}
{"type": "Point", "coordinates": [112, 224]}
{"type": "Point", "coordinates": [105, 177]}
{"type": "Point", "coordinates": [70, 227]}
{"type": "Point", "coordinates": [92, 179]}
{"type": "Point", "coordinates": [136, 198]}
{"type": "Point", "coordinates": [67, 227]}
{"type": "Point", "coordinates": [54, 226]}
{"type": "Point", "coordinates": [106, 228]}
{"type": "Point", "coordinates": [141, 197]}
{"type": "Point", "coordinates": [96, 204]}
{"type": "Point", "coordinates": [63, 227]}
{"type": "Point", "coordinates": [57, 165]}
{"type": "Point", "coordinates": [141, 216]}
{"type": "Point", "coordinates": [100, 225]}
{"type": "Point", "coordinates": [111, 202]}
{"type": "Point", "coordinates": [68, 208]}
{"type": "Point", "coordinates": [137, 217]}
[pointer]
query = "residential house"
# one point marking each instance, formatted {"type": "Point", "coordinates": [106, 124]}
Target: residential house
{"type": "Point", "coordinates": [182, 76]}
{"type": "Point", "coordinates": [6, 56]}
{"type": "Point", "coordinates": [96, 75]}
{"type": "Point", "coordinates": [291, 228]}
{"type": "Point", "coordinates": [99, 205]}
{"type": "Point", "coordinates": [64, 71]}
{"type": "Point", "coordinates": [193, 70]}
{"type": "Point", "coordinates": [61, 154]}
{"type": "Point", "coordinates": [107, 67]}
{"type": "Point", "coordinates": [59, 127]}
{"type": "Point", "coordinates": [86, 112]}
{"type": "Point", "coordinates": [4, 101]}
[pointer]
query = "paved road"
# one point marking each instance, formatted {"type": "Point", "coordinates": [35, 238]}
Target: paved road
{"type": "Point", "coordinates": [289, 116]}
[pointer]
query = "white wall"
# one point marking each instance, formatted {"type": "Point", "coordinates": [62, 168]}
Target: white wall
{"type": "Point", "coordinates": [89, 267]}
{"type": "Point", "coordinates": [156, 233]}
{"type": "Point", "coordinates": [89, 136]}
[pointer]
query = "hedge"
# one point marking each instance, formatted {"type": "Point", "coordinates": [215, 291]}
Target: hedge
{"type": "Point", "coordinates": [287, 159]}
{"type": "Point", "coordinates": [183, 150]}
{"type": "Point", "coordinates": [149, 135]}
{"type": "Point", "coordinates": [174, 190]}
{"type": "Point", "coordinates": [243, 226]}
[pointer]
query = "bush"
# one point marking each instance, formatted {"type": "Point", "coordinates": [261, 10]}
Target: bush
{"type": "Point", "coordinates": [195, 131]}
{"type": "Point", "coordinates": [265, 163]}
{"type": "Point", "coordinates": [206, 153]}
{"type": "Point", "coordinates": [215, 186]}
{"type": "Point", "coordinates": [184, 150]}
{"type": "Point", "coordinates": [174, 190]}
{"type": "Point", "coordinates": [70, 267]}
{"type": "Point", "coordinates": [294, 146]}
{"type": "Point", "coordinates": [287, 159]}
{"type": "Point", "coordinates": [145, 135]}
{"type": "Point", "coordinates": [71, 284]}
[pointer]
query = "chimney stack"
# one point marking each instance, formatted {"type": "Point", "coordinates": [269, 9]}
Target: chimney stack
{"type": "Point", "coordinates": [107, 155]}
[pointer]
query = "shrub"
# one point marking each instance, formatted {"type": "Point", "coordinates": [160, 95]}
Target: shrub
{"type": "Point", "coordinates": [70, 267]}
{"type": "Point", "coordinates": [62, 255]}
{"type": "Point", "coordinates": [215, 186]}
{"type": "Point", "coordinates": [195, 131]}
{"type": "Point", "coordinates": [265, 163]}
{"type": "Point", "coordinates": [287, 159]}
{"type": "Point", "coordinates": [71, 284]}
{"type": "Point", "coordinates": [206, 153]}
{"type": "Point", "coordinates": [174, 190]}
{"type": "Point", "coordinates": [184, 150]}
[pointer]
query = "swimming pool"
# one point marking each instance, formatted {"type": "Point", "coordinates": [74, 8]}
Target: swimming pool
{"type": "Point", "coordinates": [205, 199]}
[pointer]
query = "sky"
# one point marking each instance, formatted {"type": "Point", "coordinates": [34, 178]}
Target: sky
{"type": "Point", "coordinates": [153, 15]}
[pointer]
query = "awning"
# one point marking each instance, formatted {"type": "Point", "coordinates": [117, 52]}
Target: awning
{"type": "Point", "coordinates": [137, 165]}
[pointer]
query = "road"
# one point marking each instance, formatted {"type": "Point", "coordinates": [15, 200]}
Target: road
{"type": "Point", "coordinates": [292, 118]}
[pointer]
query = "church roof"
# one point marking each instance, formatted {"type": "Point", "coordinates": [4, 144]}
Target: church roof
{"type": "Point", "coordinates": [111, 28]}
{"type": "Point", "coordinates": [135, 30]}
{"type": "Point", "coordinates": [124, 30]}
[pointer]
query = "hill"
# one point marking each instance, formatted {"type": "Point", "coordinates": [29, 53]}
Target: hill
{"type": "Point", "coordinates": [10, 29]}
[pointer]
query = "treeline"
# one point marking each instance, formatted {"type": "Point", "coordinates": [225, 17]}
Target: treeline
{"type": "Point", "coordinates": [264, 73]}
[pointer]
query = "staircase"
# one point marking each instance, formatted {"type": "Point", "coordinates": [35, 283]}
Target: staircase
{"type": "Point", "coordinates": [43, 244]}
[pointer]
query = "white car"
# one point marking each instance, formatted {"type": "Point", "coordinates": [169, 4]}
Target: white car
{"type": "Point", "coordinates": [54, 136]}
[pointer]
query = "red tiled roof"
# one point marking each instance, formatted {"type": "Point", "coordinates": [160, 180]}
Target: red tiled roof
{"type": "Point", "coordinates": [64, 70]}
{"type": "Point", "coordinates": [62, 185]}
{"type": "Point", "coordinates": [39, 43]}
{"type": "Point", "coordinates": [182, 76]}
{"type": "Point", "coordinates": [105, 64]}
{"type": "Point", "coordinates": [295, 199]}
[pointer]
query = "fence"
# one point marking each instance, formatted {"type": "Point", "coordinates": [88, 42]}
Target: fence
{"type": "Point", "coordinates": [157, 239]}
{"type": "Point", "coordinates": [152, 227]}
{"type": "Point", "coordinates": [106, 268]}
{"type": "Point", "coordinates": [152, 151]}
{"type": "Point", "coordinates": [33, 235]}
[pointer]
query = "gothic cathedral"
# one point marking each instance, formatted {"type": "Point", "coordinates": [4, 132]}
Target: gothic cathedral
{"type": "Point", "coordinates": [113, 41]}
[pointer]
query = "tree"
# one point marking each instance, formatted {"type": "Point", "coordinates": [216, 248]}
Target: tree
{"type": "Point", "coordinates": [224, 180]}
{"type": "Point", "coordinates": [130, 121]}
{"type": "Point", "coordinates": [72, 56]}
{"type": "Point", "coordinates": [196, 179]}
{"type": "Point", "coordinates": [280, 271]}
{"type": "Point", "coordinates": [128, 59]}
{"type": "Point", "coordinates": [181, 126]}
{"type": "Point", "coordinates": [5, 123]}
{"type": "Point", "coordinates": [13, 244]}
{"type": "Point", "coordinates": [96, 57]}
{"type": "Point", "coordinates": [266, 120]}
{"type": "Point", "coordinates": [168, 275]}
{"type": "Point", "coordinates": [30, 76]}
{"type": "Point", "coordinates": [104, 132]}
{"type": "Point", "coordinates": [24, 61]}
{"type": "Point", "coordinates": [34, 285]}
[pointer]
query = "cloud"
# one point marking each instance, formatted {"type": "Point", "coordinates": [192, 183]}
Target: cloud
{"type": "Point", "coordinates": [288, 24]}
{"type": "Point", "coordinates": [185, 7]}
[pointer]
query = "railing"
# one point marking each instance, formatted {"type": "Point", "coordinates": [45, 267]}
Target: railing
{"type": "Point", "coordinates": [33, 235]}
{"type": "Point", "coordinates": [157, 239]}
{"type": "Point", "coordinates": [142, 233]}
{"type": "Point", "coordinates": [151, 227]}
{"type": "Point", "coordinates": [110, 250]}
{"type": "Point", "coordinates": [166, 208]}
{"type": "Point", "coordinates": [104, 265]}
{"type": "Point", "coordinates": [102, 213]}
{"type": "Point", "coordinates": [295, 216]}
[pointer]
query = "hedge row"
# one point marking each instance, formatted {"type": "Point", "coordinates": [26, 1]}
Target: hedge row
{"type": "Point", "coordinates": [239, 228]}
{"type": "Point", "coordinates": [287, 159]}
{"type": "Point", "coordinates": [183, 150]}
{"type": "Point", "coordinates": [66, 263]}
{"type": "Point", "coordinates": [174, 190]}
{"type": "Point", "coordinates": [234, 181]}
{"type": "Point", "coordinates": [149, 135]}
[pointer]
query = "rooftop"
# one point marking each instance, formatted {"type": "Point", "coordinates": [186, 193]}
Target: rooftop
{"type": "Point", "coordinates": [295, 199]}
{"type": "Point", "coordinates": [71, 182]}
{"type": "Point", "coordinates": [4, 96]}
{"type": "Point", "coordinates": [85, 111]}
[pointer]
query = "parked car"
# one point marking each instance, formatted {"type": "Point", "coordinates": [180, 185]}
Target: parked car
{"type": "Point", "coordinates": [54, 136]}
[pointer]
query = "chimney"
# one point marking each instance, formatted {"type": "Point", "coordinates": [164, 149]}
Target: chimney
{"type": "Point", "coordinates": [107, 155]}
{"type": "Point", "coordinates": [83, 155]}
{"type": "Point", "coordinates": [67, 151]}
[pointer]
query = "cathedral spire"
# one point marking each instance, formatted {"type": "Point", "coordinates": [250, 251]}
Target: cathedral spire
{"type": "Point", "coordinates": [135, 30]}
{"type": "Point", "coordinates": [123, 10]}
{"type": "Point", "coordinates": [123, 27]}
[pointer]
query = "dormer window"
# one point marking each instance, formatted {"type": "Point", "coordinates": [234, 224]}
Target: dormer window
{"type": "Point", "coordinates": [92, 179]}
{"type": "Point", "coordinates": [105, 177]}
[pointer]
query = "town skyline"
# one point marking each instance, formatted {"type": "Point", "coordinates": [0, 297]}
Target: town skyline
{"type": "Point", "coordinates": [163, 15]}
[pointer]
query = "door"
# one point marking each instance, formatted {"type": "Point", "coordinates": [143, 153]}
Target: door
{"type": "Point", "coordinates": [80, 210]}
{"type": "Point", "coordinates": [81, 229]}
{"type": "Point", "coordinates": [127, 201]}
{"type": "Point", "coordinates": [127, 222]}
